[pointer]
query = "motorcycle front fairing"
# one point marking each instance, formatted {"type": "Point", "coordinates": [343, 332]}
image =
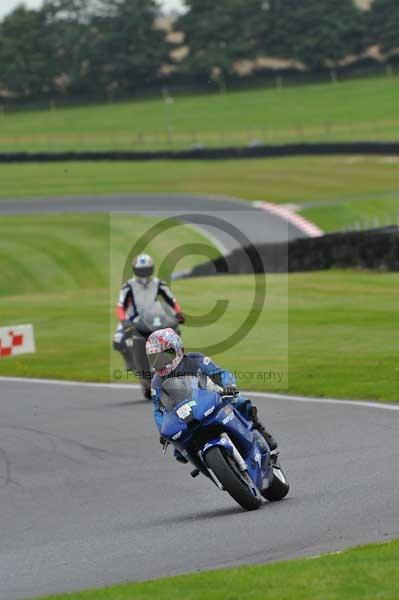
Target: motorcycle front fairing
{"type": "Point", "coordinates": [186, 420]}
{"type": "Point", "coordinates": [250, 444]}
{"type": "Point", "coordinates": [157, 316]}
{"type": "Point", "coordinates": [196, 409]}
{"type": "Point", "coordinates": [217, 423]}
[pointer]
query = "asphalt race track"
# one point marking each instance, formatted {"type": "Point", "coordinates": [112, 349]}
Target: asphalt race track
{"type": "Point", "coordinates": [257, 224]}
{"type": "Point", "coordinates": [88, 499]}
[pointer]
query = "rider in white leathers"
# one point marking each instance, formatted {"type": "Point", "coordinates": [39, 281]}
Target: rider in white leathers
{"type": "Point", "coordinates": [138, 294]}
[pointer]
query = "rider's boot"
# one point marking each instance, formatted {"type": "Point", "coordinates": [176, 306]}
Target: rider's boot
{"type": "Point", "coordinates": [271, 440]}
{"type": "Point", "coordinates": [263, 431]}
{"type": "Point", "coordinates": [250, 411]}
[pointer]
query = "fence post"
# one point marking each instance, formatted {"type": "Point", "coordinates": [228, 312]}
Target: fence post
{"type": "Point", "coordinates": [170, 136]}
{"type": "Point", "coordinates": [333, 76]}
{"type": "Point", "coordinates": [327, 128]}
{"type": "Point", "coordinates": [389, 70]}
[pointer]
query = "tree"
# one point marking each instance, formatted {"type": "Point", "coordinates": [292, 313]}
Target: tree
{"type": "Point", "coordinates": [26, 61]}
{"type": "Point", "coordinates": [73, 41]}
{"type": "Point", "coordinates": [130, 50]}
{"type": "Point", "coordinates": [318, 33]}
{"type": "Point", "coordinates": [219, 33]}
{"type": "Point", "coordinates": [81, 46]}
{"type": "Point", "coordinates": [383, 24]}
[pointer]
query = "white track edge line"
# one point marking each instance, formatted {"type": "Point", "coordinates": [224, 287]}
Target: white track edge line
{"type": "Point", "coordinates": [316, 400]}
{"type": "Point", "coordinates": [270, 395]}
{"type": "Point", "coordinates": [209, 236]}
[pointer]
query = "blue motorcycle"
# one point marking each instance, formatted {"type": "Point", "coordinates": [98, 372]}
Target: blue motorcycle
{"type": "Point", "coordinates": [221, 443]}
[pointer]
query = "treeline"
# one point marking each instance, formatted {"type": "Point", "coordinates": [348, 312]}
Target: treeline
{"type": "Point", "coordinates": [116, 47]}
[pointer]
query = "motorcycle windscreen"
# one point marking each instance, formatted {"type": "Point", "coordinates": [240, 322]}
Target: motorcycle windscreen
{"type": "Point", "coordinates": [158, 316]}
{"type": "Point", "coordinates": [178, 389]}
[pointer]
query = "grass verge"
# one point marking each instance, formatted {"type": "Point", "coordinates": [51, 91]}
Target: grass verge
{"type": "Point", "coordinates": [354, 110]}
{"type": "Point", "coordinates": [362, 573]}
{"type": "Point", "coordinates": [56, 274]}
{"type": "Point", "coordinates": [334, 192]}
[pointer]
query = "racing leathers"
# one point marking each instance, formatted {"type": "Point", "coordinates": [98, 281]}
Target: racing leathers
{"type": "Point", "coordinates": [136, 296]}
{"type": "Point", "coordinates": [201, 366]}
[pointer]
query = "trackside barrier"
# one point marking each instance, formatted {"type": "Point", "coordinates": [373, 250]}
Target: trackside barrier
{"type": "Point", "coordinates": [16, 340]}
{"type": "Point", "coordinates": [242, 152]}
{"type": "Point", "coordinates": [371, 249]}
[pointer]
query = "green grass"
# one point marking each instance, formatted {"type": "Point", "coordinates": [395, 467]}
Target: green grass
{"type": "Point", "coordinates": [334, 335]}
{"type": "Point", "coordinates": [359, 109]}
{"type": "Point", "coordinates": [334, 192]}
{"type": "Point", "coordinates": [342, 329]}
{"type": "Point", "coordinates": [53, 254]}
{"type": "Point", "coordinates": [55, 273]}
{"type": "Point", "coordinates": [356, 213]}
{"type": "Point", "coordinates": [71, 330]}
{"type": "Point", "coordinates": [330, 333]}
{"type": "Point", "coordinates": [362, 573]}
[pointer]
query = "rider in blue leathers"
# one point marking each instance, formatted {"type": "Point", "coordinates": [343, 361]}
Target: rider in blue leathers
{"type": "Point", "coordinates": [165, 345]}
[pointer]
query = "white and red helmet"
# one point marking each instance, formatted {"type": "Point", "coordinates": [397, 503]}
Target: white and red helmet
{"type": "Point", "coordinates": [164, 350]}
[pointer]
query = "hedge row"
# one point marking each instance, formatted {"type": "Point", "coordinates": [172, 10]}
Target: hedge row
{"type": "Point", "coordinates": [371, 249]}
{"type": "Point", "coordinates": [261, 151]}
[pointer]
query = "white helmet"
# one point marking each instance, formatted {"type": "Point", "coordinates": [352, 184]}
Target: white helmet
{"type": "Point", "coordinates": [143, 267]}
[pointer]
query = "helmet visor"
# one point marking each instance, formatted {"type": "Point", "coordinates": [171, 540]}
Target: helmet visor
{"type": "Point", "coordinates": [161, 360]}
{"type": "Point", "coordinates": [143, 271]}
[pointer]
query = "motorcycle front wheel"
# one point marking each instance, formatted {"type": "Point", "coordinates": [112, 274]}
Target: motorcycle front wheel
{"type": "Point", "coordinates": [231, 479]}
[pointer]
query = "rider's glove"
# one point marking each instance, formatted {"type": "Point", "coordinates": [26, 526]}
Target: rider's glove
{"type": "Point", "coordinates": [230, 389]}
{"type": "Point", "coordinates": [180, 317]}
{"type": "Point", "coordinates": [127, 326]}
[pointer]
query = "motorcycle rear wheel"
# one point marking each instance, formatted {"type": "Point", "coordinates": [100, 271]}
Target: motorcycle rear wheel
{"type": "Point", "coordinates": [231, 480]}
{"type": "Point", "coordinates": [279, 487]}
